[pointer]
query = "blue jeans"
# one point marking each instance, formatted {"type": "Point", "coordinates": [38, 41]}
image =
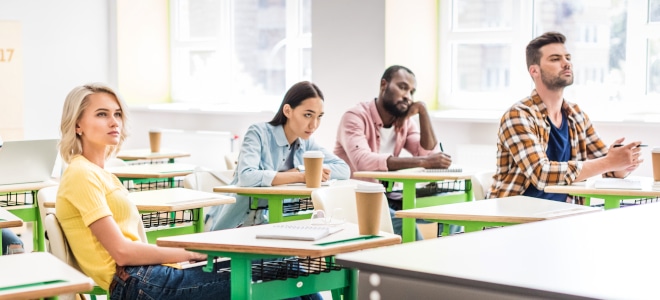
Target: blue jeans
{"type": "Point", "coordinates": [10, 238]}
{"type": "Point", "coordinates": [161, 282]}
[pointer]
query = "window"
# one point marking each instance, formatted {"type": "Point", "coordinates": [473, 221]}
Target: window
{"type": "Point", "coordinates": [614, 45]}
{"type": "Point", "coordinates": [239, 51]}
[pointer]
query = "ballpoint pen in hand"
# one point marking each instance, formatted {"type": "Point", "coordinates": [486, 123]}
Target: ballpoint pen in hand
{"type": "Point", "coordinates": [619, 145]}
{"type": "Point", "coordinates": [440, 145]}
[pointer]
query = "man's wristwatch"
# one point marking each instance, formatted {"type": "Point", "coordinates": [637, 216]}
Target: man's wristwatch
{"type": "Point", "coordinates": [301, 168]}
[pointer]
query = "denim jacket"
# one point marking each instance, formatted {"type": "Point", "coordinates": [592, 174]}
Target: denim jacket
{"type": "Point", "coordinates": [263, 152]}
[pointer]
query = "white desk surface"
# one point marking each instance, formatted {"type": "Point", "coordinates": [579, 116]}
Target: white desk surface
{"type": "Point", "coordinates": [135, 154]}
{"type": "Point", "coordinates": [8, 219]}
{"type": "Point", "coordinates": [284, 189]}
{"type": "Point", "coordinates": [41, 275]}
{"type": "Point", "coordinates": [152, 170]}
{"type": "Point", "coordinates": [173, 199]}
{"type": "Point", "coordinates": [414, 173]}
{"type": "Point", "coordinates": [176, 199]}
{"type": "Point", "coordinates": [516, 209]}
{"type": "Point", "coordinates": [32, 186]}
{"type": "Point", "coordinates": [587, 187]}
{"type": "Point", "coordinates": [243, 240]}
{"type": "Point", "coordinates": [606, 255]}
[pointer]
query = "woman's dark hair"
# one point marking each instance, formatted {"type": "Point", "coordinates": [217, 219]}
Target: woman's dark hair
{"type": "Point", "coordinates": [296, 94]}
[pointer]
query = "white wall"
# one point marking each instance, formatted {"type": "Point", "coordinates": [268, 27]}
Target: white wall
{"type": "Point", "coordinates": [65, 44]}
{"type": "Point", "coordinates": [348, 57]}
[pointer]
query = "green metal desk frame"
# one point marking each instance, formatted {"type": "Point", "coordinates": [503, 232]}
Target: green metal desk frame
{"type": "Point", "coordinates": [340, 282]}
{"type": "Point", "coordinates": [610, 201]}
{"type": "Point", "coordinates": [197, 227]}
{"type": "Point", "coordinates": [30, 213]}
{"type": "Point", "coordinates": [410, 201]}
{"type": "Point", "coordinates": [472, 226]}
{"type": "Point", "coordinates": [276, 207]}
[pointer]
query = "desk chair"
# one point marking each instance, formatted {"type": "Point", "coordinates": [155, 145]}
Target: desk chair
{"type": "Point", "coordinates": [231, 159]}
{"type": "Point", "coordinates": [46, 193]}
{"type": "Point", "coordinates": [481, 183]}
{"type": "Point", "coordinates": [330, 198]}
{"type": "Point", "coordinates": [206, 180]}
{"type": "Point", "coordinates": [59, 246]}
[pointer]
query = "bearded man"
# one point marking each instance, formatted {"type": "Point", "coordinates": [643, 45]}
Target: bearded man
{"type": "Point", "coordinates": [545, 140]}
{"type": "Point", "coordinates": [372, 134]}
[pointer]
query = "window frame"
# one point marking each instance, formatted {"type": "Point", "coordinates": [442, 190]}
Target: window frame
{"type": "Point", "coordinates": [294, 44]}
{"type": "Point", "coordinates": [635, 99]}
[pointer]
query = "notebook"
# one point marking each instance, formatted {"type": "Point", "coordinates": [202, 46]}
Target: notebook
{"type": "Point", "coordinates": [450, 169]}
{"type": "Point", "coordinates": [297, 232]}
{"type": "Point", "coordinates": [618, 183]}
{"type": "Point", "coordinates": [27, 161]}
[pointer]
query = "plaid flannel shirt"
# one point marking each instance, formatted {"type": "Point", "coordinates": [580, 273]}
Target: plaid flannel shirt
{"type": "Point", "coordinates": [522, 143]}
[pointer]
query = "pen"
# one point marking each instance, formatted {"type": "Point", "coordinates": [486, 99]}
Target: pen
{"type": "Point", "coordinates": [619, 145]}
{"type": "Point", "coordinates": [440, 145]}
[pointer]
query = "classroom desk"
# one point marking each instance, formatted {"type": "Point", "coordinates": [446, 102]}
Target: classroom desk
{"type": "Point", "coordinates": [146, 154]}
{"type": "Point", "coordinates": [29, 212]}
{"type": "Point", "coordinates": [275, 195]}
{"type": "Point", "coordinates": [39, 275]}
{"type": "Point", "coordinates": [612, 197]}
{"type": "Point", "coordinates": [409, 178]}
{"type": "Point", "coordinates": [8, 220]}
{"type": "Point", "coordinates": [242, 246]}
{"type": "Point", "coordinates": [172, 200]}
{"type": "Point", "coordinates": [605, 255]}
{"type": "Point", "coordinates": [152, 171]}
{"type": "Point", "coordinates": [475, 215]}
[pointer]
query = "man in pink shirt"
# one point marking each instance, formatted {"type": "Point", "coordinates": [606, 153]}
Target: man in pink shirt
{"type": "Point", "coordinates": [372, 134]}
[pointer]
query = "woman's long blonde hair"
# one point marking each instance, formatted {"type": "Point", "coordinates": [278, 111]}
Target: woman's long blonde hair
{"type": "Point", "coordinates": [75, 104]}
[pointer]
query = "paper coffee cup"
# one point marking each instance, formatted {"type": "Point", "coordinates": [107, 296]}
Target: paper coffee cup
{"type": "Point", "coordinates": [313, 168]}
{"type": "Point", "coordinates": [369, 199]}
{"type": "Point", "coordinates": [655, 158]}
{"type": "Point", "coordinates": [154, 140]}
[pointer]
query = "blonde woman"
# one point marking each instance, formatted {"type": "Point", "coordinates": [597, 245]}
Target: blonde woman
{"type": "Point", "coordinates": [99, 221]}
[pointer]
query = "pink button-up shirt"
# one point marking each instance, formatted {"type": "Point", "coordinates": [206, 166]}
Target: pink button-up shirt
{"type": "Point", "coordinates": [358, 139]}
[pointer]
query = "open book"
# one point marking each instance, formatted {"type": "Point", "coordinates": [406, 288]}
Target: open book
{"type": "Point", "coordinates": [297, 232]}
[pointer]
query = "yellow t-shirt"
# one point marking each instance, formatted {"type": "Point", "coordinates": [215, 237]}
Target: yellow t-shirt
{"type": "Point", "coordinates": [87, 193]}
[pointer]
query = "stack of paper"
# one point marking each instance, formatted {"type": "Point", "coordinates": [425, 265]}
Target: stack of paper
{"type": "Point", "coordinates": [618, 183]}
{"type": "Point", "coordinates": [656, 185]}
{"type": "Point", "coordinates": [296, 232]}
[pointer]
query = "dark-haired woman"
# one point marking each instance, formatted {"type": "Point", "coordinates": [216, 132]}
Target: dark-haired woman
{"type": "Point", "coordinates": [271, 154]}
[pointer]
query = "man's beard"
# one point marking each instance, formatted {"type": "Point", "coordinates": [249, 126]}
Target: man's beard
{"type": "Point", "coordinates": [555, 83]}
{"type": "Point", "coordinates": [390, 106]}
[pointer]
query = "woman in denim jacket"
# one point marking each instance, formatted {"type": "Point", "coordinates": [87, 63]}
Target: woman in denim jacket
{"type": "Point", "coordinates": [271, 154]}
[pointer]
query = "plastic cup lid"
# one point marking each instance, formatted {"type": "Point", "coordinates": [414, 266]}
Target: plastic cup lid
{"type": "Point", "coordinates": [313, 154]}
{"type": "Point", "coordinates": [155, 130]}
{"type": "Point", "coordinates": [370, 188]}
{"type": "Point", "coordinates": [656, 150]}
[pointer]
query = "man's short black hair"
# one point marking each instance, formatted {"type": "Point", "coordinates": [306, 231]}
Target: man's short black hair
{"type": "Point", "coordinates": [393, 69]}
